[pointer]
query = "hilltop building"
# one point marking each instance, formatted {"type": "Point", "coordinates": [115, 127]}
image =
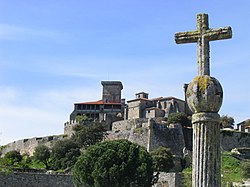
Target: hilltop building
{"type": "Point", "coordinates": [109, 109]}
{"type": "Point", "coordinates": [143, 107]}
{"type": "Point", "coordinates": [113, 108]}
{"type": "Point", "coordinates": [244, 126]}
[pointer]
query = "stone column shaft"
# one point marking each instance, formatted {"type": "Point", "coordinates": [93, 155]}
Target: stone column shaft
{"type": "Point", "coordinates": [206, 150]}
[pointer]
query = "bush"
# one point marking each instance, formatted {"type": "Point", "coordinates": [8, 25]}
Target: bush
{"type": "Point", "coordinates": [162, 159]}
{"type": "Point", "coordinates": [86, 135]}
{"type": "Point", "coordinates": [42, 154]}
{"type": "Point", "coordinates": [227, 121]}
{"type": "Point", "coordinates": [179, 118]}
{"type": "Point", "coordinates": [12, 158]}
{"type": "Point", "coordinates": [118, 163]}
{"type": "Point", "coordinates": [64, 154]}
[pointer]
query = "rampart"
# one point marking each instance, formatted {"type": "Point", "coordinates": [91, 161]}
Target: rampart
{"type": "Point", "coordinates": [35, 180]}
{"type": "Point", "coordinates": [234, 139]}
{"type": "Point", "coordinates": [68, 127]}
{"type": "Point", "coordinates": [58, 180]}
{"type": "Point", "coordinates": [27, 146]}
{"type": "Point", "coordinates": [150, 134]}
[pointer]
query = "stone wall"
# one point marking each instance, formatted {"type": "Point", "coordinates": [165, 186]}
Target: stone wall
{"type": "Point", "coordinates": [68, 127]}
{"type": "Point", "coordinates": [149, 134]}
{"type": "Point", "coordinates": [234, 139]}
{"type": "Point", "coordinates": [169, 180]}
{"type": "Point", "coordinates": [27, 146]}
{"type": "Point", "coordinates": [171, 137]}
{"type": "Point", "coordinates": [35, 180]}
{"type": "Point", "coordinates": [125, 125]}
{"type": "Point", "coordinates": [49, 180]}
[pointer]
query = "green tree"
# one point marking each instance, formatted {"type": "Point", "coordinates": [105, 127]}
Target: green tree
{"type": "Point", "coordinates": [118, 163]}
{"type": "Point", "coordinates": [42, 154]}
{"type": "Point", "coordinates": [12, 158]}
{"type": "Point", "coordinates": [86, 135]}
{"type": "Point", "coordinates": [227, 121]}
{"type": "Point", "coordinates": [162, 159]}
{"type": "Point", "coordinates": [64, 154]}
{"type": "Point", "coordinates": [179, 118]}
{"type": "Point", "coordinates": [81, 118]}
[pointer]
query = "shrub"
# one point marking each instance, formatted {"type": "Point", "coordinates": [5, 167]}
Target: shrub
{"type": "Point", "coordinates": [64, 154]}
{"type": "Point", "coordinates": [162, 159]}
{"type": "Point", "coordinates": [179, 118]}
{"type": "Point", "coordinates": [118, 163]}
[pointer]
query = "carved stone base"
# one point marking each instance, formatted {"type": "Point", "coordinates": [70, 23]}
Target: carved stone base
{"type": "Point", "coordinates": [206, 150]}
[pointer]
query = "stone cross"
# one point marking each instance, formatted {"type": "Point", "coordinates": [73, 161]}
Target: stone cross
{"type": "Point", "coordinates": [202, 36]}
{"type": "Point", "coordinates": [204, 97]}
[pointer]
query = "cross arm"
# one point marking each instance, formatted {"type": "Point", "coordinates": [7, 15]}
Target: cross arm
{"type": "Point", "coordinates": [186, 37]}
{"type": "Point", "coordinates": [219, 34]}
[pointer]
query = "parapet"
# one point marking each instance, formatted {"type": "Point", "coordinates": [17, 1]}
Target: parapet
{"type": "Point", "coordinates": [118, 83]}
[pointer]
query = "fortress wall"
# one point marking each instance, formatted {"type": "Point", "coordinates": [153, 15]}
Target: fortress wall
{"type": "Point", "coordinates": [45, 180]}
{"type": "Point", "coordinates": [27, 146]}
{"type": "Point", "coordinates": [168, 137]}
{"type": "Point", "coordinates": [128, 124]}
{"type": "Point", "coordinates": [234, 139]}
{"type": "Point", "coordinates": [35, 180]}
{"type": "Point", "coordinates": [169, 180]}
{"type": "Point", "coordinates": [150, 136]}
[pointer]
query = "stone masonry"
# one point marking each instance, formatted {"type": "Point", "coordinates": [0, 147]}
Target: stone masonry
{"type": "Point", "coordinates": [204, 96]}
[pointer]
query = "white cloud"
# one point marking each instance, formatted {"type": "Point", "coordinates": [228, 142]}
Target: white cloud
{"type": "Point", "coordinates": [43, 115]}
{"type": "Point", "coordinates": [19, 122]}
{"type": "Point", "coordinates": [14, 32]}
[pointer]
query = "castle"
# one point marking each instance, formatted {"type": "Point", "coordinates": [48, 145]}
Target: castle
{"type": "Point", "coordinates": [141, 120]}
{"type": "Point", "coordinates": [113, 108]}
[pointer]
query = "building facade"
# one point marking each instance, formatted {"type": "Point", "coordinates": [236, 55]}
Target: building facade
{"type": "Point", "coordinates": [107, 110]}
{"type": "Point", "coordinates": [143, 107]}
{"type": "Point", "coordinates": [113, 108]}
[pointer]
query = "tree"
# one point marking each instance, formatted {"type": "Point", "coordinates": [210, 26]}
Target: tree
{"type": "Point", "coordinates": [118, 163]}
{"type": "Point", "coordinates": [42, 154]}
{"type": "Point", "coordinates": [64, 154]}
{"type": "Point", "coordinates": [81, 118]}
{"type": "Point", "coordinates": [86, 135]}
{"type": "Point", "coordinates": [12, 158]}
{"type": "Point", "coordinates": [162, 159]}
{"type": "Point", "coordinates": [179, 118]}
{"type": "Point", "coordinates": [227, 121]}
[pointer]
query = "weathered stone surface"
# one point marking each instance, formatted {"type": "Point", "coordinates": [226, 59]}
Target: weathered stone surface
{"type": "Point", "coordinates": [234, 139]}
{"type": "Point", "coordinates": [169, 180]}
{"type": "Point", "coordinates": [204, 94]}
{"type": "Point", "coordinates": [49, 180]}
{"type": "Point", "coordinates": [35, 180]}
{"type": "Point", "coordinates": [206, 150]}
{"type": "Point", "coordinates": [27, 146]}
{"type": "Point", "coordinates": [151, 135]}
{"type": "Point", "coordinates": [202, 36]}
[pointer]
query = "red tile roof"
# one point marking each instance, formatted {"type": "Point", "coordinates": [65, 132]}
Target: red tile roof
{"type": "Point", "coordinates": [100, 102]}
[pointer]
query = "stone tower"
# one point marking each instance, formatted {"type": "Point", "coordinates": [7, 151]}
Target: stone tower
{"type": "Point", "coordinates": [111, 91]}
{"type": "Point", "coordinates": [204, 97]}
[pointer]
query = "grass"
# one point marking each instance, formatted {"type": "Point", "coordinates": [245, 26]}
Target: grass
{"type": "Point", "coordinates": [231, 171]}
{"type": "Point", "coordinates": [231, 168]}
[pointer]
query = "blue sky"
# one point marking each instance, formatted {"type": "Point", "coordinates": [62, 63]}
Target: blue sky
{"type": "Point", "coordinates": [56, 53]}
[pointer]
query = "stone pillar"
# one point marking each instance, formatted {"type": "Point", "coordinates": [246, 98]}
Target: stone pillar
{"type": "Point", "coordinates": [206, 150]}
{"type": "Point", "coordinates": [204, 97]}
